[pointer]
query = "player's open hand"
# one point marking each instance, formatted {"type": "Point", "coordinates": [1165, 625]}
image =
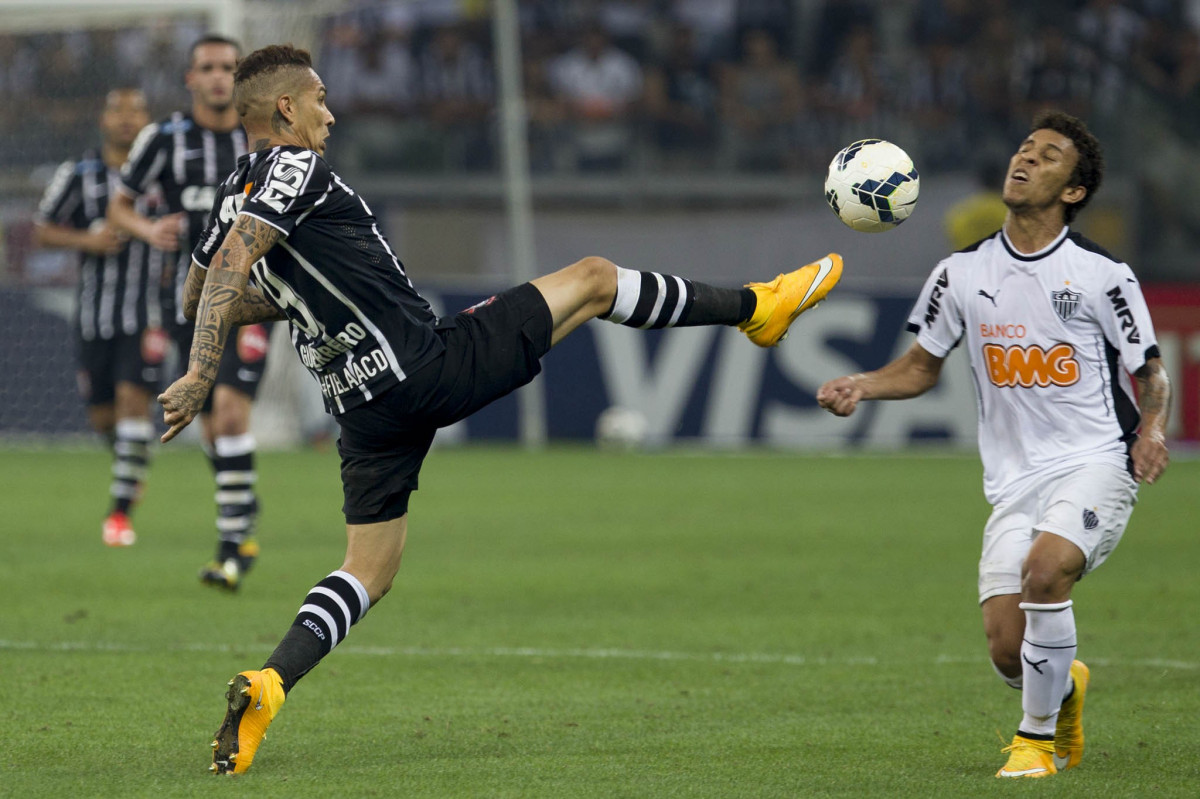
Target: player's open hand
{"type": "Point", "coordinates": [1149, 456]}
{"type": "Point", "coordinates": [840, 397]}
{"type": "Point", "coordinates": [182, 400]}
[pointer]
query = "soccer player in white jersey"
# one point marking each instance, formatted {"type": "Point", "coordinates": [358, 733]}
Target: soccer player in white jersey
{"type": "Point", "coordinates": [1053, 326]}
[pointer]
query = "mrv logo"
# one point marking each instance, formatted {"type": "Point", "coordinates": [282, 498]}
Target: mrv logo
{"type": "Point", "coordinates": [1121, 309]}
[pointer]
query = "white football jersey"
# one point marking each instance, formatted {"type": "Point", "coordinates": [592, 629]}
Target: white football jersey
{"type": "Point", "coordinates": [1052, 339]}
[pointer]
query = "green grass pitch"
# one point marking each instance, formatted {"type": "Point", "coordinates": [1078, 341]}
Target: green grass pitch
{"type": "Point", "coordinates": [573, 623]}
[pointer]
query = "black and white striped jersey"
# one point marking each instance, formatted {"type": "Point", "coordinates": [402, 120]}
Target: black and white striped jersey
{"type": "Point", "coordinates": [119, 294]}
{"type": "Point", "coordinates": [357, 322]}
{"type": "Point", "coordinates": [187, 162]}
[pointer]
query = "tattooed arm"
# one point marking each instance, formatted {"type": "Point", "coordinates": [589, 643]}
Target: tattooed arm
{"type": "Point", "coordinates": [1149, 452]}
{"type": "Point", "coordinates": [255, 306]}
{"type": "Point", "coordinates": [219, 308]}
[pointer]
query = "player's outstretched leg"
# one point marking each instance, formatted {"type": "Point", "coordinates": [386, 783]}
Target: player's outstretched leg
{"type": "Point", "coordinates": [1068, 733]}
{"type": "Point", "coordinates": [254, 697]}
{"type": "Point", "coordinates": [597, 288]}
{"type": "Point", "coordinates": [788, 296]}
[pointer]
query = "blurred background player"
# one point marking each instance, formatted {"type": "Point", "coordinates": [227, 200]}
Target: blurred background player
{"type": "Point", "coordinates": [118, 320]}
{"type": "Point", "coordinates": [188, 155]}
{"type": "Point", "coordinates": [1053, 326]}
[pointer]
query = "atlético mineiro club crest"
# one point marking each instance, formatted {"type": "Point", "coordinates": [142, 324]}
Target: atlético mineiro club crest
{"type": "Point", "coordinates": [1066, 303]}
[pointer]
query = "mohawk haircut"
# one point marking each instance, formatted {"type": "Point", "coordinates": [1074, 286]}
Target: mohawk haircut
{"type": "Point", "coordinates": [1089, 169]}
{"type": "Point", "coordinates": [258, 73]}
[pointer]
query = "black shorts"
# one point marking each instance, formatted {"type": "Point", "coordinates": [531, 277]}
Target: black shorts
{"type": "Point", "coordinates": [493, 349]}
{"type": "Point", "coordinates": [243, 362]}
{"type": "Point", "coordinates": [137, 359]}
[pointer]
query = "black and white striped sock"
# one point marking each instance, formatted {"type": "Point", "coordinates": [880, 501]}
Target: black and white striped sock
{"type": "Point", "coordinates": [649, 300]}
{"type": "Point", "coordinates": [237, 505]}
{"type": "Point", "coordinates": [131, 455]}
{"type": "Point", "coordinates": [331, 608]}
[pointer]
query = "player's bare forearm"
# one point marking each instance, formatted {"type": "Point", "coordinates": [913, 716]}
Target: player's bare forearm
{"type": "Point", "coordinates": [1149, 452]}
{"type": "Point", "coordinates": [1154, 396]}
{"type": "Point", "coordinates": [910, 375]}
{"type": "Point", "coordinates": [218, 307]}
{"type": "Point", "coordinates": [254, 308]}
{"type": "Point", "coordinates": [223, 292]}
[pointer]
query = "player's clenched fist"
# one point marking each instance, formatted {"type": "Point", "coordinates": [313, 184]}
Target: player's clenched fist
{"type": "Point", "coordinates": [840, 397]}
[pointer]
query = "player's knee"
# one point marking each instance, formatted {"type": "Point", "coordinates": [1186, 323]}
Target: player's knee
{"type": "Point", "coordinates": [1046, 581]}
{"type": "Point", "coordinates": [598, 274]}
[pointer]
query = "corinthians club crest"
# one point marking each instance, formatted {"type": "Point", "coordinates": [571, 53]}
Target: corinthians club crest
{"type": "Point", "coordinates": [1066, 303]}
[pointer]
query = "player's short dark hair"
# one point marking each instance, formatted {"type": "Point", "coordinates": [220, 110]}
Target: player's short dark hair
{"type": "Point", "coordinates": [266, 60]}
{"type": "Point", "coordinates": [1089, 169]}
{"type": "Point", "coordinates": [212, 38]}
{"type": "Point", "coordinates": [257, 73]}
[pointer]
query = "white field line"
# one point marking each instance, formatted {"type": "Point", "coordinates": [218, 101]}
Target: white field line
{"type": "Point", "coordinates": [536, 653]}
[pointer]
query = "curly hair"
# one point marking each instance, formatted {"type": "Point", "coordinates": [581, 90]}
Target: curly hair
{"type": "Point", "coordinates": [1089, 168]}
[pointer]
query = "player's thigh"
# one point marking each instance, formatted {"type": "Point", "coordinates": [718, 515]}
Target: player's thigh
{"type": "Point", "coordinates": [382, 452]}
{"type": "Point", "coordinates": [1089, 507]}
{"type": "Point", "coordinates": [1007, 538]}
{"type": "Point", "coordinates": [493, 349]}
{"type": "Point", "coordinates": [138, 371]}
{"type": "Point", "coordinates": [95, 377]}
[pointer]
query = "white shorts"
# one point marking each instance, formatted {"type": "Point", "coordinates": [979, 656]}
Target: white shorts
{"type": "Point", "coordinates": [1089, 506]}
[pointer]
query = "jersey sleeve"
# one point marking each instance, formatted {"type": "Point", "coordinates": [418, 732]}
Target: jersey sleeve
{"type": "Point", "coordinates": [935, 317]}
{"type": "Point", "coordinates": [286, 188]}
{"type": "Point", "coordinates": [147, 157]}
{"type": "Point", "coordinates": [1125, 318]}
{"type": "Point", "coordinates": [210, 239]}
{"type": "Point", "coordinates": [62, 198]}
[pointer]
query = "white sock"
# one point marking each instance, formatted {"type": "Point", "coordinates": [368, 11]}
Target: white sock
{"type": "Point", "coordinates": [1046, 655]}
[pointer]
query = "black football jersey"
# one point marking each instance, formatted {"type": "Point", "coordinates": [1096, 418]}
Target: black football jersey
{"type": "Point", "coordinates": [356, 321]}
{"type": "Point", "coordinates": [187, 162]}
{"type": "Point", "coordinates": [117, 294]}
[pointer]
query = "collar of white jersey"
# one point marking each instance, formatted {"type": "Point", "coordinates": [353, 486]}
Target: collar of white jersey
{"type": "Point", "coordinates": [1042, 253]}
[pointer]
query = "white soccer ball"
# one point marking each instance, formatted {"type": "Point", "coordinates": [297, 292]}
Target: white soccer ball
{"type": "Point", "coordinates": [618, 427]}
{"type": "Point", "coordinates": [872, 185]}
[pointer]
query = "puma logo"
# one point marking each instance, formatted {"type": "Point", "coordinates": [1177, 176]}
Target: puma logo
{"type": "Point", "coordinates": [983, 293]}
{"type": "Point", "coordinates": [1036, 666]}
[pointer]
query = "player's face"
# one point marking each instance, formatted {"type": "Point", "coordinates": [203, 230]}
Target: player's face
{"type": "Point", "coordinates": [313, 119]}
{"type": "Point", "coordinates": [1039, 174]}
{"type": "Point", "coordinates": [123, 117]}
{"type": "Point", "coordinates": [210, 77]}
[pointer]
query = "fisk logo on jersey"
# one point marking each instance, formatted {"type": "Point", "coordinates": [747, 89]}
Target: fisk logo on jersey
{"type": "Point", "coordinates": [286, 179]}
{"type": "Point", "coordinates": [935, 305]}
{"type": "Point", "coordinates": [1121, 309]}
{"type": "Point", "coordinates": [1031, 366]}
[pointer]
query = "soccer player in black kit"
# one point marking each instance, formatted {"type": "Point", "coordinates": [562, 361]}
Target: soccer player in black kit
{"type": "Point", "coordinates": [118, 321]}
{"type": "Point", "coordinates": [391, 371]}
{"type": "Point", "coordinates": [188, 155]}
